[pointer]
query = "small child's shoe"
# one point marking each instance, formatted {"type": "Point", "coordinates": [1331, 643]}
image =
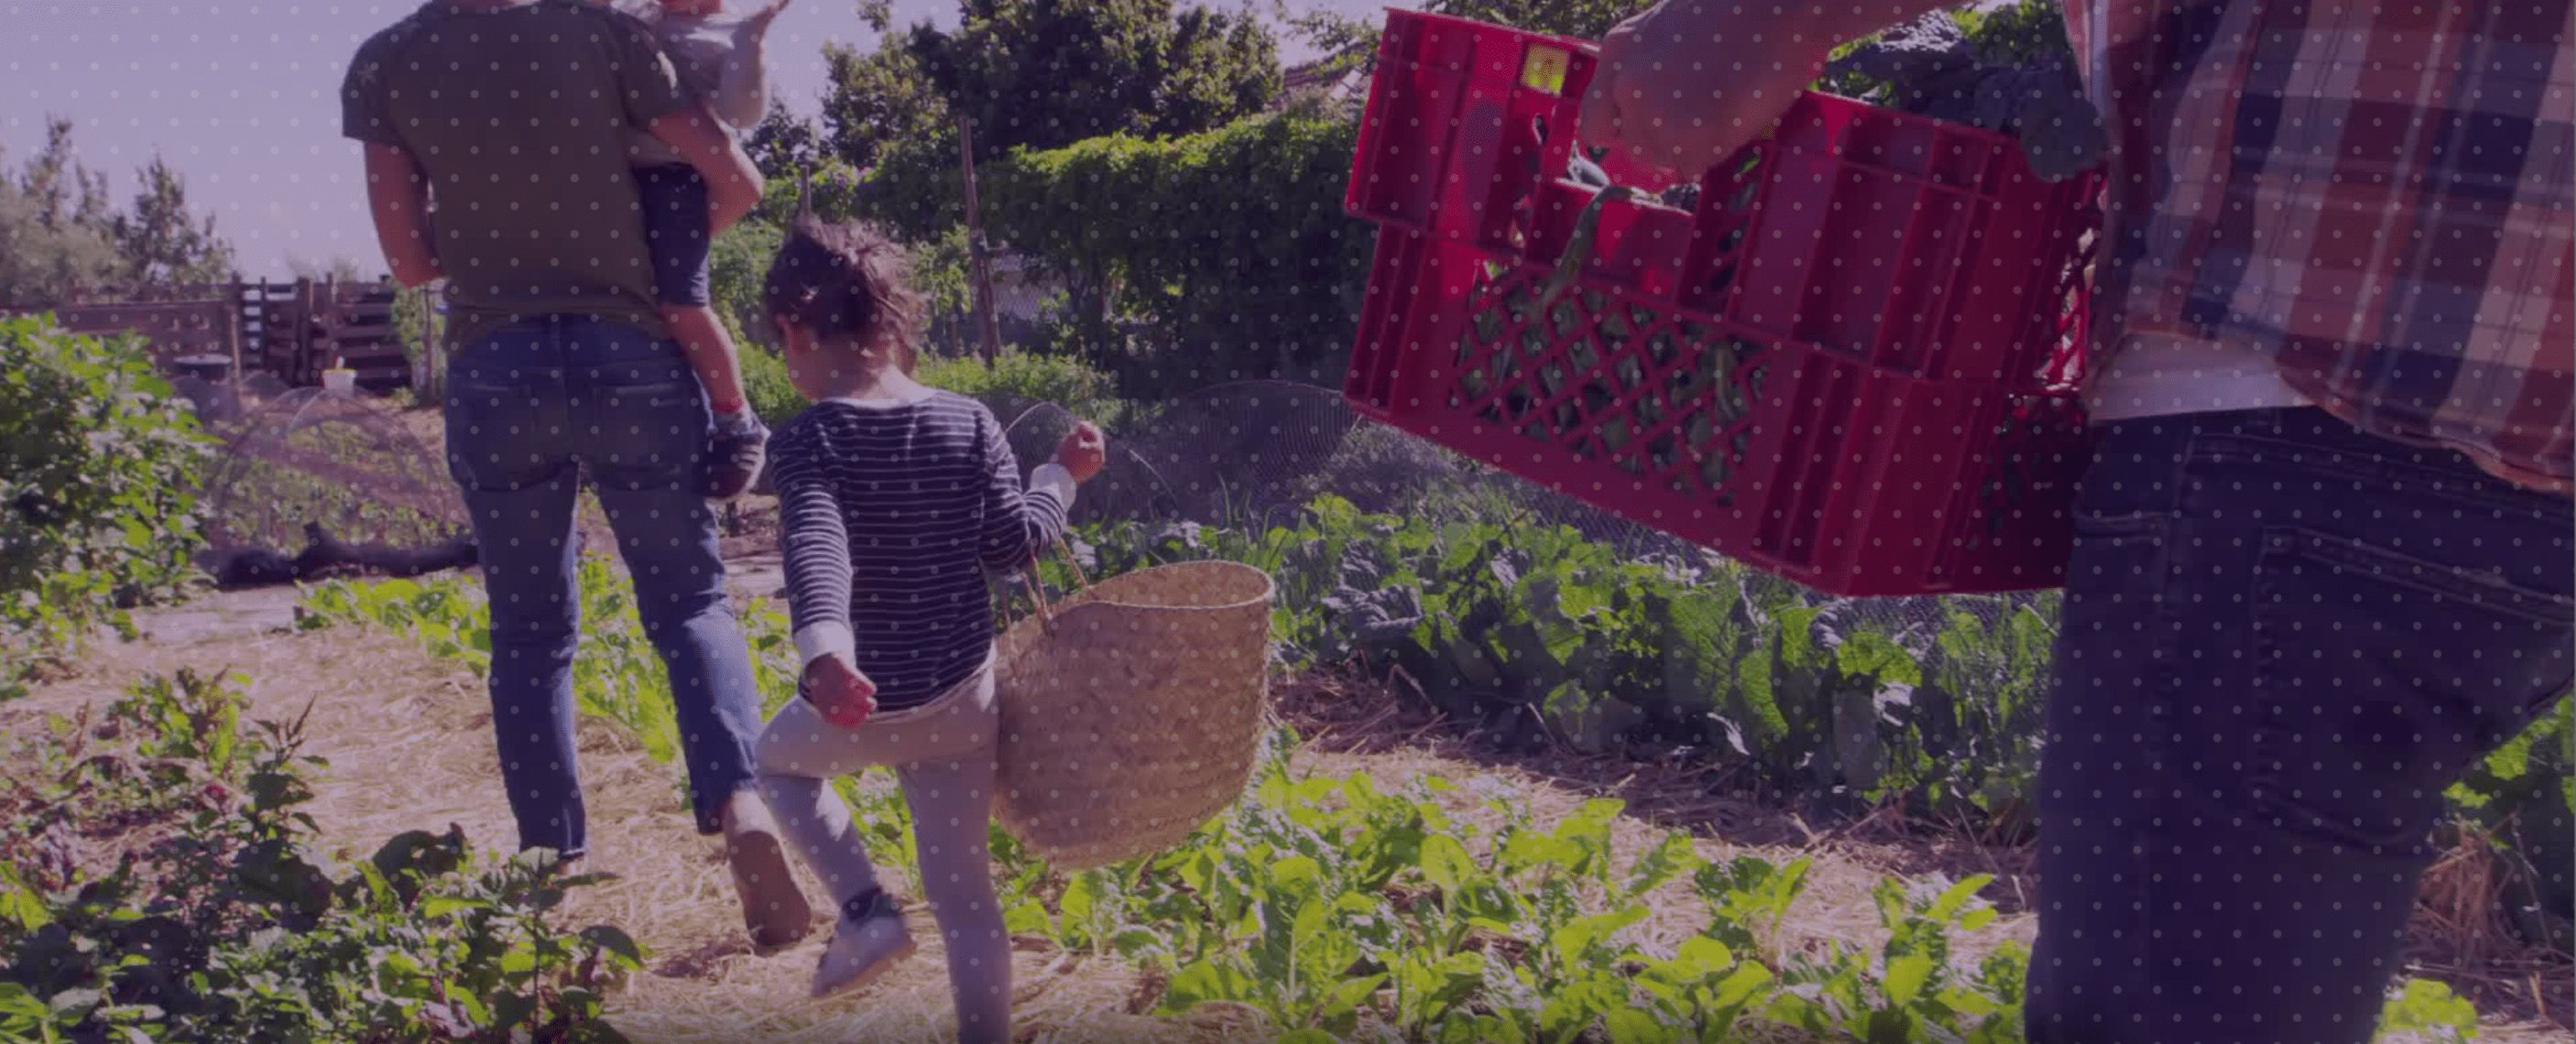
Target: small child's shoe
{"type": "Point", "coordinates": [868, 941]}
{"type": "Point", "coordinates": [735, 454]}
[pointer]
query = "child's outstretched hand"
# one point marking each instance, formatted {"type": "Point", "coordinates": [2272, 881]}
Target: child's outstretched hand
{"type": "Point", "coordinates": [1083, 452]}
{"type": "Point", "coordinates": [843, 695]}
{"type": "Point", "coordinates": [768, 13]}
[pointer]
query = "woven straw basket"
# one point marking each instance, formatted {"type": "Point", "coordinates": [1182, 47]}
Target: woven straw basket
{"type": "Point", "coordinates": [1131, 712]}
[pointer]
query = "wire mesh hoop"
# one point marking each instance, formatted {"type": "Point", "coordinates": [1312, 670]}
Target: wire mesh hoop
{"type": "Point", "coordinates": [345, 462]}
{"type": "Point", "coordinates": [1131, 711]}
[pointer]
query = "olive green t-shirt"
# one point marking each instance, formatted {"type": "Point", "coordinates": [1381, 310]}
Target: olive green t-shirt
{"type": "Point", "coordinates": [519, 117]}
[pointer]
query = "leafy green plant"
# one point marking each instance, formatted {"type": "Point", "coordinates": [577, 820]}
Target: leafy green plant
{"type": "Point", "coordinates": [230, 927]}
{"type": "Point", "coordinates": [766, 386]}
{"type": "Point", "coordinates": [185, 716]}
{"type": "Point", "coordinates": [2525, 793]}
{"type": "Point", "coordinates": [2430, 1011]}
{"type": "Point", "coordinates": [1325, 903]}
{"type": "Point", "coordinates": [1341, 910]}
{"type": "Point", "coordinates": [1916, 992]}
{"type": "Point", "coordinates": [1018, 378]}
{"type": "Point", "coordinates": [737, 262]}
{"type": "Point", "coordinates": [99, 464]}
{"type": "Point", "coordinates": [1543, 636]}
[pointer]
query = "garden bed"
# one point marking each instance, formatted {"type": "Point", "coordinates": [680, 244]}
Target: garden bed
{"type": "Point", "coordinates": [420, 728]}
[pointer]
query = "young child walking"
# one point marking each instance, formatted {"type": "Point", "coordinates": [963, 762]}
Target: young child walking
{"type": "Point", "coordinates": [723, 70]}
{"type": "Point", "coordinates": [898, 503]}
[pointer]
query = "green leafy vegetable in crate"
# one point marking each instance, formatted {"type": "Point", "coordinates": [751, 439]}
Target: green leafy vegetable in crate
{"type": "Point", "coordinates": [2009, 72]}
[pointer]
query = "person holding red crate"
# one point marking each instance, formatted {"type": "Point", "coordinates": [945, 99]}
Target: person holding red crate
{"type": "Point", "coordinates": [2322, 560]}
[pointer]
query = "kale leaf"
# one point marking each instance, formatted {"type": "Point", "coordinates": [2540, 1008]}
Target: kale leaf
{"type": "Point", "coordinates": [1932, 67]}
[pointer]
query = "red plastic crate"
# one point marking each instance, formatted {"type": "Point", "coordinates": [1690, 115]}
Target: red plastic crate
{"type": "Point", "coordinates": [1852, 365]}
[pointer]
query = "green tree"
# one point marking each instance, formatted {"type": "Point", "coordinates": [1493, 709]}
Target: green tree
{"type": "Point", "coordinates": [1342, 40]}
{"type": "Point", "coordinates": [1034, 75]}
{"type": "Point", "coordinates": [783, 143]}
{"type": "Point", "coordinates": [65, 191]}
{"type": "Point", "coordinates": [163, 243]}
{"type": "Point", "coordinates": [1346, 41]}
{"type": "Point", "coordinates": [737, 263]}
{"type": "Point", "coordinates": [1186, 261]}
{"type": "Point", "coordinates": [1043, 74]}
{"type": "Point", "coordinates": [60, 232]}
{"type": "Point", "coordinates": [1580, 19]}
{"type": "Point", "coordinates": [54, 225]}
{"type": "Point", "coordinates": [40, 261]}
{"type": "Point", "coordinates": [1217, 68]}
{"type": "Point", "coordinates": [939, 274]}
{"type": "Point", "coordinates": [878, 100]}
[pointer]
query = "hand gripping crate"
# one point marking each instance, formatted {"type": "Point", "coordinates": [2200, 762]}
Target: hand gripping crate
{"type": "Point", "coordinates": [1852, 364]}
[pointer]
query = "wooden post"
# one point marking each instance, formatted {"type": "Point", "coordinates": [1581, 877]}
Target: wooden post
{"type": "Point", "coordinates": [329, 299]}
{"type": "Point", "coordinates": [303, 371]}
{"type": "Point", "coordinates": [429, 345]}
{"type": "Point", "coordinates": [233, 340]}
{"type": "Point", "coordinates": [975, 262]}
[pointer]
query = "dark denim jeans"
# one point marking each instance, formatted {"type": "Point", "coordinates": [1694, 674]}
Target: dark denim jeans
{"type": "Point", "coordinates": [2283, 639]}
{"type": "Point", "coordinates": [527, 408]}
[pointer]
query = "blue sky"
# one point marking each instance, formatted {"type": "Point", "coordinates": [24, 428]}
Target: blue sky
{"type": "Point", "coordinates": [240, 97]}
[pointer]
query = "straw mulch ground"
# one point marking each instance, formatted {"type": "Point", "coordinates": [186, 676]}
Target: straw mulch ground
{"type": "Point", "coordinates": [409, 748]}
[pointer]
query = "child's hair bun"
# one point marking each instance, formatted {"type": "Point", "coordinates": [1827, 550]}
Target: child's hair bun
{"type": "Point", "coordinates": [845, 282]}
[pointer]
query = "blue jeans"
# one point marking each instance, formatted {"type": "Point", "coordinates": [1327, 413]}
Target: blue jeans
{"type": "Point", "coordinates": [528, 408]}
{"type": "Point", "coordinates": [2283, 638]}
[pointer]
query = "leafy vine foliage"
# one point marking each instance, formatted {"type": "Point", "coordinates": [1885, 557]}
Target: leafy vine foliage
{"type": "Point", "coordinates": [1187, 261]}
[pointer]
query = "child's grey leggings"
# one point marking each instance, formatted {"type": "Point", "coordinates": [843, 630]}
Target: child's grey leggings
{"type": "Point", "coordinates": [942, 753]}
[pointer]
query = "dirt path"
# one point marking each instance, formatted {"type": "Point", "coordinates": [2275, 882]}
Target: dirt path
{"type": "Point", "coordinates": [409, 747]}
{"type": "Point", "coordinates": [408, 743]}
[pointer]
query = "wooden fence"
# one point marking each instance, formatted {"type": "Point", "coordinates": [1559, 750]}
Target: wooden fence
{"type": "Point", "coordinates": [292, 330]}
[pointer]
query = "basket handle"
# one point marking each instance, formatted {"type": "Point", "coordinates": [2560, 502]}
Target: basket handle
{"type": "Point", "coordinates": [1037, 591]}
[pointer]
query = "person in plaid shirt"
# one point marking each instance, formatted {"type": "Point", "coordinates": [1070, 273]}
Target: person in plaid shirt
{"type": "Point", "coordinates": [2323, 557]}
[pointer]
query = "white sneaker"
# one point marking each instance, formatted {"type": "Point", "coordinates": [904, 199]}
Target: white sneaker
{"type": "Point", "coordinates": [868, 941]}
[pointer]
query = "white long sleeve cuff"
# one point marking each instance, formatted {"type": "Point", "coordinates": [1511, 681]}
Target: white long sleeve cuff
{"type": "Point", "coordinates": [1052, 476]}
{"type": "Point", "coordinates": [815, 641]}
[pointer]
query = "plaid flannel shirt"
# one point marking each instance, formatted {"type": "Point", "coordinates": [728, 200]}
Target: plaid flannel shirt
{"type": "Point", "coordinates": [2376, 196]}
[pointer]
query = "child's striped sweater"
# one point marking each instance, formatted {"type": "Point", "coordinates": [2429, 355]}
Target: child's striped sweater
{"type": "Point", "coordinates": [894, 516]}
